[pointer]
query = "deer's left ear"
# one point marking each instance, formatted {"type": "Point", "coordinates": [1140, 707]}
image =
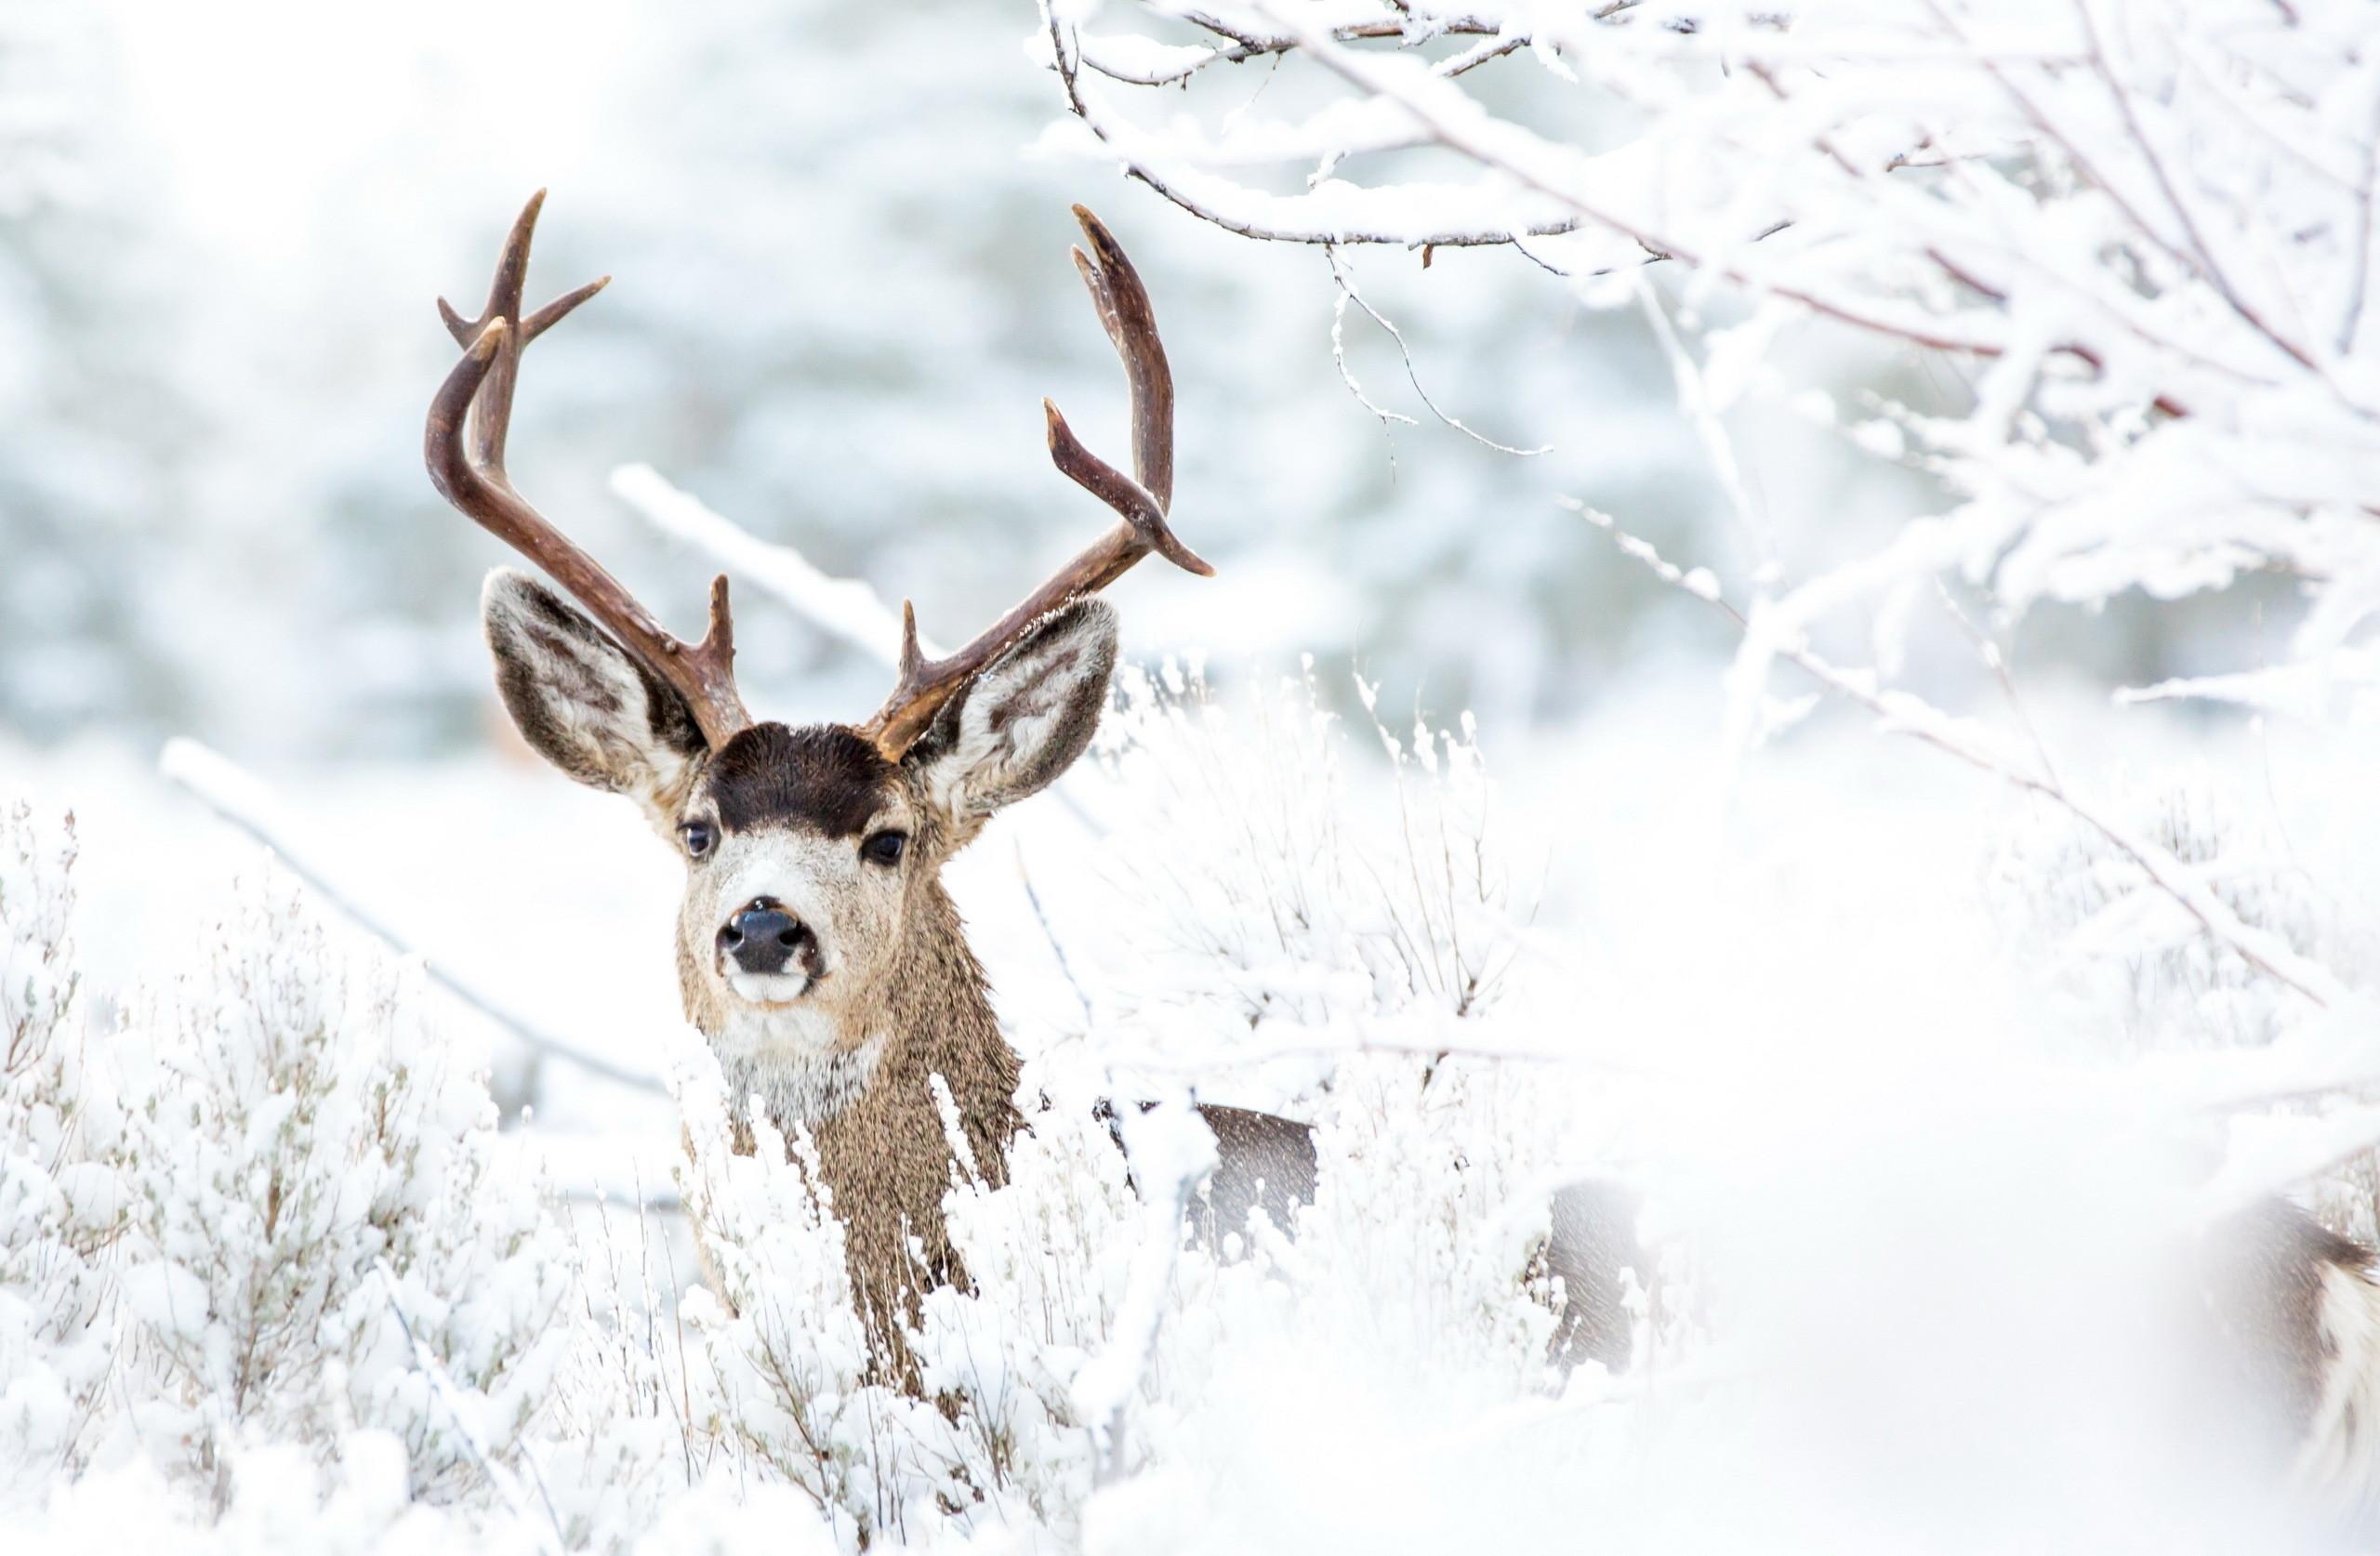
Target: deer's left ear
{"type": "Point", "coordinates": [1021, 720]}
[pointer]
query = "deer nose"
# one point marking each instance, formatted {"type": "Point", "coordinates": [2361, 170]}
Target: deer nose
{"type": "Point", "coordinates": [763, 937]}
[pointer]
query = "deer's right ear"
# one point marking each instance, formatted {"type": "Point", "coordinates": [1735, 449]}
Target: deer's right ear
{"type": "Point", "coordinates": [1021, 720]}
{"type": "Point", "coordinates": [584, 703]}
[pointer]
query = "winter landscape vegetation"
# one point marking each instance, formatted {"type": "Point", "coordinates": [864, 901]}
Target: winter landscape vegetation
{"type": "Point", "coordinates": [1791, 641]}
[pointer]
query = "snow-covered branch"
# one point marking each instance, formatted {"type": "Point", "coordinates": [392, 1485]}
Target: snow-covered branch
{"type": "Point", "coordinates": [2148, 234]}
{"type": "Point", "coordinates": [1902, 713]}
{"type": "Point", "coordinates": [245, 802]}
{"type": "Point", "coordinates": [845, 608]}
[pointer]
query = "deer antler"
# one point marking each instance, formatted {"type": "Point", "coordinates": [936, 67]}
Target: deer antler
{"type": "Point", "coordinates": [1123, 304]}
{"type": "Point", "coordinates": [475, 482]}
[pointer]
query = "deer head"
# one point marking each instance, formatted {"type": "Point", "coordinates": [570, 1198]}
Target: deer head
{"type": "Point", "coordinates": [812, 902]}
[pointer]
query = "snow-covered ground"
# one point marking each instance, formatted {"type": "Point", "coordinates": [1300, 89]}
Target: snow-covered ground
{"type": "Point", "coordinates": [1916, 1153]}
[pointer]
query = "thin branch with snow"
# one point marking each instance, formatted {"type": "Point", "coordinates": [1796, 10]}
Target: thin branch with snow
{"type": "Point", "coordinates": [244, 802]}
{"type": "Point", "coordinates": [1903, 713]}
{"type": "Point", "coordinates": [845, 608]}
{"type": "Point", "coordinates": [2153, 242]}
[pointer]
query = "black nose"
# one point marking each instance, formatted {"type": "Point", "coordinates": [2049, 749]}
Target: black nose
{"type": "Point", "coordinates": [763, 938]}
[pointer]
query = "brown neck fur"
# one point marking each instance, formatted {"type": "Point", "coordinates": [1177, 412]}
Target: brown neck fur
{"type": "Point", "coordinates": [884, 1154]}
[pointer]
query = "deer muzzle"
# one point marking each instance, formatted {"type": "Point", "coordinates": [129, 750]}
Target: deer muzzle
{"type": "Point", "coordinates": [764, 941]}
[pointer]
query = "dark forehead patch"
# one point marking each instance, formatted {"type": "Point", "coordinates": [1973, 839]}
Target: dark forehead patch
{"type": "Point", "coordinates": [824, 777]}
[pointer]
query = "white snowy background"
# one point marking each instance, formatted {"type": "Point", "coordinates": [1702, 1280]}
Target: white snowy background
{"type": "Point", "coordinates": [1891, 779]}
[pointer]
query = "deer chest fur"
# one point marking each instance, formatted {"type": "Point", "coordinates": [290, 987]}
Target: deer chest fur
{"type": "Point", "coordinates": [792, 1060]}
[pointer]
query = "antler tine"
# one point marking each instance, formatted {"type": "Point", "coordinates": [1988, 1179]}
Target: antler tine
{"type": "Point", "coordinates": [925, 686]}
{"type": "Point", "coordinates": [1123, 307]}
{"type": "Point", "coordinates": [478, 391]}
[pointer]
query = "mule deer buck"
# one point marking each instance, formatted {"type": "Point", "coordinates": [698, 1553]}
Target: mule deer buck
{"type": "Point", "coordinates": [817, 950]}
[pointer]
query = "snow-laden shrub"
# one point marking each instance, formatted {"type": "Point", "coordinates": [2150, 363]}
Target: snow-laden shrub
{"type": "Point", "coordinates": [777, 1324]}
{"type": "Point", "coordinates": [1304, 931]}
{"type": "Point", "coordinates": [329, 1320]}
{"type": "Point", "coordinates": [1049, 1380]}
{"type": "Point", "coordinates": [280, 1498]}
{"type": "Point", "coordinates": [54, 1203]}
{"type": "Point", "coordinates": [1305, 936]}
{"type": "Point", "coordinates": [1334, 1387]}
{"type": "Point", "coordinates": [1269, 903]}
{"type": "Point", "coordinates": [2142, 973]}
{"type": "Point", "coordinates": [617, 1440]}
{"type": "Point", "coordinates": [786, 1380]}
{"type": "Point", "coordinates": [318, 1240]}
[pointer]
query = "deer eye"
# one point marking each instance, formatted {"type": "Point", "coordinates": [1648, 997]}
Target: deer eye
{"type": "Point", "coordinates": [884, 848]}
{"type": "Point", "coordinates": [699, 836]}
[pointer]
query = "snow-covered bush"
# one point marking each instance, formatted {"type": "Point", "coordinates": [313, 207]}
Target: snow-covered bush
{"type": "Point", "coordinates": [328, 1311]}
{"type": "Point", "coordinates": [787, 1380]}
{"type": "Point", "coordinates": [1272, 912]}
{"type": "Point", "coordinates": [777, 1324]}
{"type": "Point", "coordinates": [1080, 1358]}
{"type": "Point", "coordinates": [2141, 970]}
{"type": "Point", "coordinates": [318, 1239]}
{"type": "Point", "coordinates": [54, 1201]}
{"type": "Point", "coordinates": [262, 1217]}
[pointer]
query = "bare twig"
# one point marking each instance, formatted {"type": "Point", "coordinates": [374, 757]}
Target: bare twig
{"type": "Point", "coordinates": [1997, 662]}
{"type": "Point", "coordinates": [1066, 50]}
{"type": "Point", "coordinates": [1694, 402]}
{"type": "Point", "coordinates": [1388, 418]}
{"type": "Point", "coordinates": [1241, 44]}
{"type": "Point", "coordinates": [1057, 947]}
{"type": "Point", "coordinates": [2359, 278]}
{"type": "Point", "coordinates": [1348, 293]}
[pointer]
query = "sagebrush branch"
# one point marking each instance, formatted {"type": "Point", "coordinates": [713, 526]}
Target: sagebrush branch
{"type": "Point", "coordinates": [1904, 713]}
